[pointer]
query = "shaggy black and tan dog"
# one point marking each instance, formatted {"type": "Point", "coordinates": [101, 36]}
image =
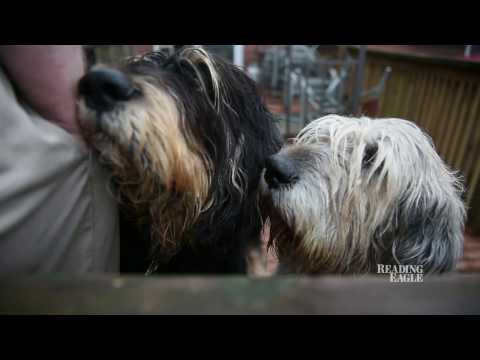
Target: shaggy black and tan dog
{"type": "Point", "coordinates": [186, 138]}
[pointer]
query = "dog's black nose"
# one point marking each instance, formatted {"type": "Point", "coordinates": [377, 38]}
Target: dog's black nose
{"type": "Point", "coordinates": [103, 88]}
{"type": "Point", "coordinates": [279, 170]}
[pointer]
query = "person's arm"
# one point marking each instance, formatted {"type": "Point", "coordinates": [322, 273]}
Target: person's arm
{"type": "Point", "coordinates": [47, 77]}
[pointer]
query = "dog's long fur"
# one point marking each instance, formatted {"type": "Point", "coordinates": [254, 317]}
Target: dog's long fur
{"type": "Point", "coordinates": [186, 155]}
{"type": "Point", "coordinates": [369, 191]}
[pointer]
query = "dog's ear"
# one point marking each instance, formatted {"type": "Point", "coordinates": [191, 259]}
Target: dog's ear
{"type": "Point", "coordinates": [431, 237]}
{"type": "Point", "coordinates": [205, 81]}
{"type": "Point", "coordinates": [202, 68]}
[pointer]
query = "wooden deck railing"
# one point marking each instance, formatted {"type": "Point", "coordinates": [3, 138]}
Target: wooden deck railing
{"type": "Point", "coordinates": [453, 294]}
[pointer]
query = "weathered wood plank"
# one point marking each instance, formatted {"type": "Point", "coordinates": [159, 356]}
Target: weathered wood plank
{"type": "Point", "coordinates": [422, 82]}
{"type": "Point", "coordinates": [448, 294]}
{"type": "Point", "coordinates": [460, 127]}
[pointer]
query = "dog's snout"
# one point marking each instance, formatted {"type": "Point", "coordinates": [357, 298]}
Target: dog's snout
{"type": "Point", "coordinates": [279, 170]}
{"type": "Point", "coordinates": [103, 88]}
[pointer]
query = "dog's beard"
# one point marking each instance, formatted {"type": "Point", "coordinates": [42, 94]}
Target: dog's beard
{"type": "Point", "coordinates": [158, 171]}
{"type": "Point", "coordinates": [278, 235]}
{"type": "Point", "coordinates": [293, 235]}
{"type": "Point", "coordinates": [303, 232]}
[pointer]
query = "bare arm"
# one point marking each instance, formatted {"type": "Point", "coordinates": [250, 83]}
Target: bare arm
{"type": "Point", "coordinates": [47, 77]}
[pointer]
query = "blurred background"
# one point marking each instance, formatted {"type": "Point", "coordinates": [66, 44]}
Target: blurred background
{"type": "Point", "coordinates": [436, 86]}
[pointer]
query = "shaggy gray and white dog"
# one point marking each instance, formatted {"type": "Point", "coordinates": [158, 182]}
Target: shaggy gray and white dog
{"type": "Point", "coordinates": [350, 193]}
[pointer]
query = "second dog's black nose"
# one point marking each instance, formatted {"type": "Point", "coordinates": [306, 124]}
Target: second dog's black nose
{"type": "Point", "coordinates": [279, 170]}
{"type": "Point", "coordinates": [103, 88]}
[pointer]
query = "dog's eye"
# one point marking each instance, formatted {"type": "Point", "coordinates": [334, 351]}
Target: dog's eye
{"type": "Point", "coordinates": [369, 155]}
{"type": "Point", "coordinates": [136, 92]}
